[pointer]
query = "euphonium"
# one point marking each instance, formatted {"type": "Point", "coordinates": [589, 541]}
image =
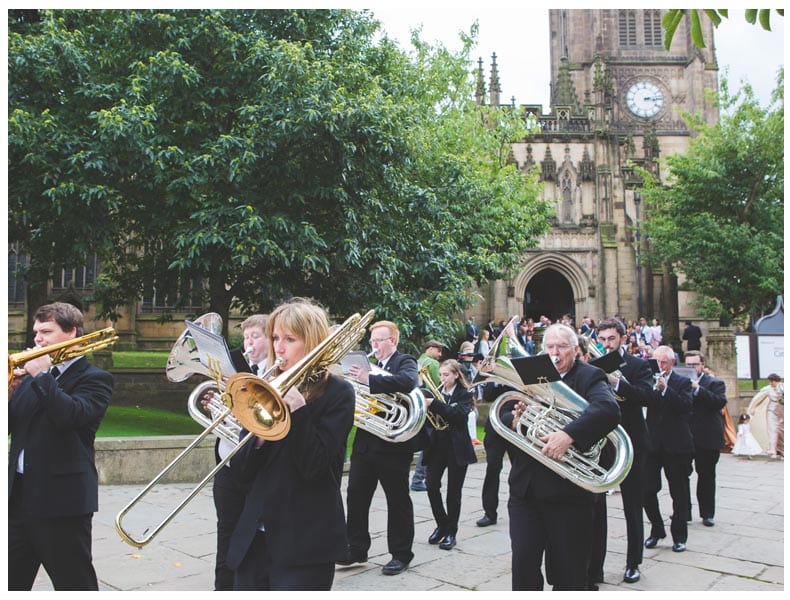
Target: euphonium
{"type": "Point", "coordinates": [550, 407]}
{"type": "Point", "coordinates": [437, 421]}
{"type": "Point", "coordinates": [391, 417]}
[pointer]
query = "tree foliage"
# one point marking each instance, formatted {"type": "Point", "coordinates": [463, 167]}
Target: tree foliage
{"type": "Point", "coordinates": [720, 219]}
{"type": "Point", "coordinates": [269, 153]}
{"type": "Point", "coordinates": [674, 17]}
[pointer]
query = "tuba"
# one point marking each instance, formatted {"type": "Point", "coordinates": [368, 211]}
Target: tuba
{"type": "Point", "coordinates": [258, 406]}
{"type": "Point", "coordinates": [438, 422]}
{"type": "Point", "coordinates": [550, 407]}
{"type": "Point", "coordinates": [64, 351]}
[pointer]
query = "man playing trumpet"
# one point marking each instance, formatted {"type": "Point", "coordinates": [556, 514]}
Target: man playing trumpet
{"type": "Point", "coordinates": [53, 487]}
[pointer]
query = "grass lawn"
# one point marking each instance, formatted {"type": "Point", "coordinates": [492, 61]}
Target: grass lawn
{"type": "Point", "coordinates": [135, 421]}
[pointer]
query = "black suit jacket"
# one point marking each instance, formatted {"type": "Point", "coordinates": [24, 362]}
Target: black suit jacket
{"type": "Point", "coordinates": [456, 436]}
{"type": "Point", "coordinates": [55, 422]}
{"type": "Point", "coordinates": [295, 484]}
{"type": "Point", "coordinates": [668, 417]}
{"type": "Point", "coordinates": [602, 415]}
{"type": "Point", "coordinates": [404, 379]}
{"type": "Point", "coordinates": [635, 391]}
{"type": "Point", "coordinates": [707, 424]}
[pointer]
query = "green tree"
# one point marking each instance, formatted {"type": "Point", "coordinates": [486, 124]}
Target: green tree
{"type": "Point", "coordinates": [673, 18]}
{"type": "Point", "coordinates": [720, 219]}
{"type": "Point", "coordinates": [277, 153]}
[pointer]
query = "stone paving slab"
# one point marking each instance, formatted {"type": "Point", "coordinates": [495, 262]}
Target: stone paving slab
{"type": "Point", "coordinates": [744, 551]}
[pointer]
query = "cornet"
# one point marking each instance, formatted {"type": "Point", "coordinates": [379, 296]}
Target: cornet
{"type": "Point", "coordinates": [64, 351]}
{"type": "Point", "coordinates": [438, 422]}
{"type": "Point", "coordinates": [656, 378]}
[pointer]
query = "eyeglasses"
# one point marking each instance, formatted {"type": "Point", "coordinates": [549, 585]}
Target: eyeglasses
{"type": "Point", "coordinates": [372, 341]}
{"type": "Point", "coordinates": [560, 347]}
{"type": "Point", "coordinates": [694, 364]}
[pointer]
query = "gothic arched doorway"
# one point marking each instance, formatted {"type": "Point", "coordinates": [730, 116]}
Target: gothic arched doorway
{"type": "Point", "coordinates": [548, 293]}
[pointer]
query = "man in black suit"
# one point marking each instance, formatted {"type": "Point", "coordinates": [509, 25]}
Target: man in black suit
{"type": "Point", "coordinates": [53, 487]}
{"type": "Point", "coordinates": [692, 335]}
{"type": "Point", "coordinates": [671, 449]}
{"type": "Point", "coordinates": [549, 514]}
{"type": "Point", "coordinates": [632, 389]}
{"type": "Point", "coordinates": [707, 426]}
{"type": "Point", "coordinates": [375, 461]}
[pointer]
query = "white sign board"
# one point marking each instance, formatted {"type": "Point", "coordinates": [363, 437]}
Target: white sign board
{"type": "Point", "coordinates": [771, 354]}
{"type": "Point", "coordinates": [742, 357]}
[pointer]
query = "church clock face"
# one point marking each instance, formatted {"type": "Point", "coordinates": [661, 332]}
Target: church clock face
{"type": "Point", "coordinates": [645, 99]}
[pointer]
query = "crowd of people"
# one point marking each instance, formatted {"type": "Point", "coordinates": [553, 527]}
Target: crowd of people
{"type": "Point", "coordinates": [557, 528]}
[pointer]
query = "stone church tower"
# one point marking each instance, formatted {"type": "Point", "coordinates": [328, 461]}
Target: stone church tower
{"type": "Point", "coordinates": [616, 101]}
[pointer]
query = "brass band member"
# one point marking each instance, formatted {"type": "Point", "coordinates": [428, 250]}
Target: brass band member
{"type": "Point", "coordinates": [449, 449]}
{"type": "Point", "coordinates": [549, 514]}
{"type": "Point", "coordinates": [53, 487]}
{"type": "Point", "coordinates": [292, 528]}
{"type": "Point", "coordinates": [375, 461]}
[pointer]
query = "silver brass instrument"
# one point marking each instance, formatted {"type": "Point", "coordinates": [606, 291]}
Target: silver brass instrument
{"type": "Point", "coordinates": [246, 395]}
{"type": "Point", "coordinates": [656, 377]}
{"type": "Point", "coordinates": [64, 351]}
{"type": "Point", "coordinates": [391, 417]}
{"type": "Point", "coordinates": [438, 422]}
{"type": "Point", "coordinates": [595, 352]}
{"type": "Point", "coordinates": [550, 407]}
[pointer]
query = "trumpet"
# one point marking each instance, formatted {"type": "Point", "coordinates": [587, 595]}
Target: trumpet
{"type": "Point", "coordinates": [64, 351]}
{"type": "Point", "coordinates": [438, 422]}
{"type": "Point", "coordinates": [656, 378]}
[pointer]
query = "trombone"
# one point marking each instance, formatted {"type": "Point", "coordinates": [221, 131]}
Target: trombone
{"type": "Point", "coordinates": [64, 351]}
{"type": "Point", "coordinates": [245, 394]}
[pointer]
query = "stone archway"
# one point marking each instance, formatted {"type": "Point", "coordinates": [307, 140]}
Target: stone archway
{"type": "Point", "coordinates": [552, 284]}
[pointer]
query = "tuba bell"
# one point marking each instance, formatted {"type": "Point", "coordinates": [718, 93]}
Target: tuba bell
{"type": "Point", "coordinates": [550, 407]}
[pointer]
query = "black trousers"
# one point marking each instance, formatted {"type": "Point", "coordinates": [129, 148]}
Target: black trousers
{"type": "Point", "coordinates": [677, 468]}
{"type": "Point", "coordinates": [495, 451]}
{"type": "Point", "coordinates": [228, 503]}
{"type": "Point", "coordinates": [705, 461]}
{"type": "Point", "coordinates": [446, 517]}
{"type": "Point", "coordinates": [600, 531]}
{"type": "Point", "coordinates": [563, 530]}
{"type": "Point", "coordinates": [61, 544]}
{"type": "Point", "coordinates": [256, 572]}
{"type": "Point", "coordinates": [632, 492]}
{"type": "Point", "coordinates": [365, 473]}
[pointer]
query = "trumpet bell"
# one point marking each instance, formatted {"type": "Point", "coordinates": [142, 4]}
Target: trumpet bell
{"type": "Point", "coordinates": [258, 406]}
{"type": "Point", "coordinates": [184, 358]}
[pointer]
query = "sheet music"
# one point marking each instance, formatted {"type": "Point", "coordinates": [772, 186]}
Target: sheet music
{"type": "Point", "coordinates": [212, 349]}
{"type": "Point", "coordinates": [355, 358]}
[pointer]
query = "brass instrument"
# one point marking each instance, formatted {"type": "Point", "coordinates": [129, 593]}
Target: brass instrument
{"type": "Point", "coordinates": [656, 377]}
{"type": "Point", "coordinates": [245, 395]}
{"type": "Point", "coordinates": [550, 407]}
{"type": "Point", "coordinates": [595, 352]}
{"type": "Point", "coordinates": [64, 351]}
{"type": "Point", "coordinates": [438, 422]}
{"type": "Point", "coordinates": [391, 417]}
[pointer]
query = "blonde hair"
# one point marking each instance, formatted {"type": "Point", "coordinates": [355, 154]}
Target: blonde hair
{"type": "Point", "coordinates": [304, 318]}
{"type": "Point", "coordinates": [455, 367]}
{"type": "Point", "coordinates": [254, 321]}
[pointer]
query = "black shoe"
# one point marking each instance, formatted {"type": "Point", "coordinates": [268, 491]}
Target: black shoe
{"type": "Point", "coordinates": [707, 522]}
{"type": "Point", "coordinates": [394, 567]}
{"type": "Point", "coordinates": [436, 536]}
{"type": "Point", "coordinates": [419, 487]}
{"type": "Point", "coordinates": [352, 558]}
{"type": "Point", "coordinates": [485, 521]}
{"type": "Point", "coordinates": [632, 575]}
{"type": "Point", "coordinates": [448, 542]}
{"type": "Point", "coordinates": [678, 547]}
{"type": "Point", "coordinates": [652, 541]}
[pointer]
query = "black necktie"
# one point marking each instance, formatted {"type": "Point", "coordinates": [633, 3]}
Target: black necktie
{"type": "Point", "coordinates": [381, 364]}
{"type": "Point", "coordinates": [55, 372]}
{"type": "Point", "coordinates": [254, 369]}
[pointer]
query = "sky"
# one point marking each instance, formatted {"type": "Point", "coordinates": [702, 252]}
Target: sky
{"type": "Point", "coordinates": [519, 35]}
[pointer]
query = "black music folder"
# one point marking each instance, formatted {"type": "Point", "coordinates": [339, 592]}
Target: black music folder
{"type": "Point", "coordinates": [653, 365]}
{"type": "Point", "coordinates": [609, 362]}
{"type": "Point", "coordinates": [535, 369]}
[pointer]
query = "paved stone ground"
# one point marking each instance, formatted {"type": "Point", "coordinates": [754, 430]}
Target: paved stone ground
{"type": "Point", "coordinates": [743, 552]}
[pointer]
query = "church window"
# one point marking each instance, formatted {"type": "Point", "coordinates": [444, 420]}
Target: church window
{"type": "Point", "coordinates": [566, 186]}
{"type": "Point", "coordinates": [653, 28]}
{"type": "Point", "coordinates": [17, 263]}
{"type": "Point", "coordinates": [627, 22]}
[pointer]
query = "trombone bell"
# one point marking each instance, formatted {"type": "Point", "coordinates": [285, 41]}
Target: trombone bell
{"type": "Point", "coordinates": [258, 406]}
